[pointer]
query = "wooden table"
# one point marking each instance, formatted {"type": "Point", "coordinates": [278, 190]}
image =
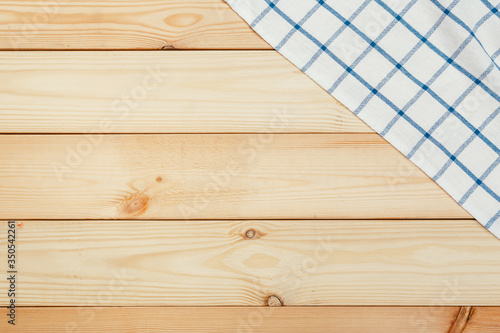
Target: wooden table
{"type": "Point", "coordinates": [167, 171]}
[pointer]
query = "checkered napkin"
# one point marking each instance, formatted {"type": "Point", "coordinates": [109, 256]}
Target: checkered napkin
{"type": "Point", "coordinates": [422, 73]}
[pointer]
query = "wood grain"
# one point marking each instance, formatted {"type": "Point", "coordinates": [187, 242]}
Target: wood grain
{"type": "Point", "coordinates": [484, 319]}
{"type": "Point", "coordinates": [158, 92]}
{"type": "Point", "coordinates": [303, 262]}
{"type": "Point", "coordinates": [220, 176]}
{"type": "Point", "coordinates": [234, 319]}
{"type": "Point", "coordinates": [119, 24]}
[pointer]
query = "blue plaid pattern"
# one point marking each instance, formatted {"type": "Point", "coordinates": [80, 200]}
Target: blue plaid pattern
{"type": "Point", "coordinates": [424, 74]}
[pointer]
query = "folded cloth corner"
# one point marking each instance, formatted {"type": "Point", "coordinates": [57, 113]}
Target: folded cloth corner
{"type": "Point", "coordinates": [424, 74]}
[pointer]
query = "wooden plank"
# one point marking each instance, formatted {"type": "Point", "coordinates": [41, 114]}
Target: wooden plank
{"type": "Point", "coordinates": [220, 176]}
{"type": "Point", "coordinates": [483, 319]}
{"type": "Point", "coordinates": [234, 319]}
{"type": "Point", "coordinates": [119, 24]}
{"type": "Point", "coordinates": [301, 262]}
{"type": "Point", "coordinates": [164, 92]}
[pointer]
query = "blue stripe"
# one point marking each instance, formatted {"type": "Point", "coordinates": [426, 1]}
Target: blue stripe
{"type": "Point", "coordinates": [389, 103]}
{"type": "Point", "coordinates": [493, 220]}
{"type": "Point", "coordinates": [264, 13]}
{"type": "Point", "coordinates": [477, 183]}
{"type": "Point", "coordinates": [375, 45]}
{"type": "Point", "coordinates": [440, 53]}
{"type": "Point", "coordinates": [403, 61]}
{"type": "Point", "coordinates": [429, 82]}
{"type": "Point", "coordinates": [411, 77]}
{"type": "Point", "coordinates": [457, 162]}
{"type": "Point", "coordinates": [466, 27]}
{"type": "Point", "coordinates": [495, 55]}
{"type": "Point", "coordinates": [369, 48]}
{"type": "Point", "coordinates": [335, 35]}
{"type": "Point", "coordinates": [295, 28]}
{"type": "Point", "coordinates": [490, 7]}
{"type": "Point", "coordinates": [445, 116]}
{"type": "Point", "coordinates": [466, 143]}
{"type": "Point", "coordinates": [433, 78]}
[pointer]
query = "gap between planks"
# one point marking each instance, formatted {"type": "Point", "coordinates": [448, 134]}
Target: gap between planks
{"type": "Point", "coordinates": [208, 38]}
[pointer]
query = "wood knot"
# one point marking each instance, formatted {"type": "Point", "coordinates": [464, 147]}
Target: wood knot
{"type": "Point", "coordinates": [159, 179]}
{"type": "Point", "coordinates": [167, 47]}
{"type": "Point", "coordinates": [274, 300]}
{"type": "Point", "coordinates": [250, 233]}
{"type": "Point", "coordinates": [137, 204]}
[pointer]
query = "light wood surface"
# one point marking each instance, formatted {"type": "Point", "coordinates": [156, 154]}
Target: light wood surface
{"type": "Point", "coordinates": [238, 319]}
{"type": "Point", "coordinates": [301, 262]}
{"type": "Point", "coordinates": [120, 24]}
{"type": "Point", "coordinates": [220, 176]}
{"type": "Point", "coordinates": [156, 248]}
{"type": "Point", "coordinates": [164, 92]}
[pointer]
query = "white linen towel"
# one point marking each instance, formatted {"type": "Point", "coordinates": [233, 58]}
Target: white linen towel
{"type": "Point", "coordinates": [423, 73]}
